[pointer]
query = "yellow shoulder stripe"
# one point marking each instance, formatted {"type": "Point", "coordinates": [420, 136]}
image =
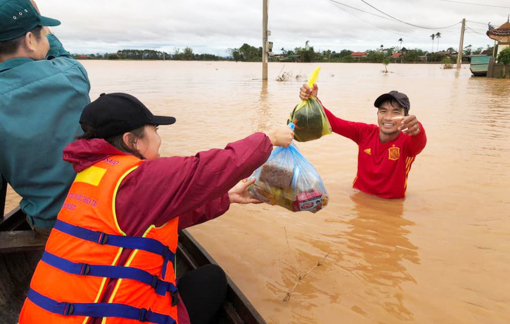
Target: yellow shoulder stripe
{"type": "Point", "coordinates": [91, 175]}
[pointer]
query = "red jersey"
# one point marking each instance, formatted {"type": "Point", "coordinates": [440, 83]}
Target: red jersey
{"type": "Point", "coordinates": [383, 168]}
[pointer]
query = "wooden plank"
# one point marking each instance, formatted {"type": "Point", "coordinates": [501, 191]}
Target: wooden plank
{"type": "Point", "coordinates": [20, 241]}
{"type": "Point", "coordinates": [15, 220]}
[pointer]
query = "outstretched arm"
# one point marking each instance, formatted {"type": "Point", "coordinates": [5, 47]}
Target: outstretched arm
{"type": "Point", "coordinates": [237, 195]}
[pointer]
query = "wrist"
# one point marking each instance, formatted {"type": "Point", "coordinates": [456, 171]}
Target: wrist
{"type": "Point", "coordinates": [271, 136]}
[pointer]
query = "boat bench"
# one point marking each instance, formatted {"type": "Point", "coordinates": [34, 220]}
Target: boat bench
{"type": "Point", "coordinates": [16, 235]}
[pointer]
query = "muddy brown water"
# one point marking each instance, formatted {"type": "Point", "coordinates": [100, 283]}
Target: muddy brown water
{"type": "Point", "coordinates": [441, 255]}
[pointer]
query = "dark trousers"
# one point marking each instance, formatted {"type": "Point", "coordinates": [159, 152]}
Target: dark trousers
{"type": "Point", "coordinates": [203, 291]}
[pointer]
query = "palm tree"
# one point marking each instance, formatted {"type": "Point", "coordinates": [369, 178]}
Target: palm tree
{"type": "Point", "coordinates": [400, 41]}
{"type": "Point", "coordinates": [438, 36]}
{"type": "Point", "coordinates": [433, 36]}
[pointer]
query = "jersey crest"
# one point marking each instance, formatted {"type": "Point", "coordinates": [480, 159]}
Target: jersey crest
{"type": "Point", "coordinates": [394, 153]}
{"type": "Point", "coordinates": [368, 151]}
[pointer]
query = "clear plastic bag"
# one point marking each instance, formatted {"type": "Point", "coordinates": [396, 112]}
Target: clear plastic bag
{"type": "Point", "coordinates": [289, 180]}
{"type": "Point", "coordinates": [309, 117]}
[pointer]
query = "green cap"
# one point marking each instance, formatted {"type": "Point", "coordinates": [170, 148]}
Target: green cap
{"type": "Point", "coordinates": [17, 17]}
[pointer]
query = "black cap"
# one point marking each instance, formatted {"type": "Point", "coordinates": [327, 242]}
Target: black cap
{"type": "Point", "coordinates": [116, 113]}
{"type": "Point", "coordinates": [400, 97]}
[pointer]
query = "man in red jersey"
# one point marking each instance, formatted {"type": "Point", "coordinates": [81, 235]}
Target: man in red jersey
{"type": "Point", "coordinates": [387, 150]}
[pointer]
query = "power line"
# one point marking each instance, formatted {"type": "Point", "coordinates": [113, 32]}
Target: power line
{"type": "Point", "coordinates": [476, 22]}
{"type": "Point", "coordinates": [370, 13]}
{"type": "Point", "coordinates": [338, 4]}
{"type": "Point", "coordinates": [475, 31]}
{"type": "Point", "coordinates": [475, 4]}
{"type": "Point", "coordinates": [407, 22]}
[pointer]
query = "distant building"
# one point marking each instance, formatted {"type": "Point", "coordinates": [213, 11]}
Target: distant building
{"type": "Point", "coordinates": [501, 35]}
{"type": "Point", "coordinates": [358, 55]}
{"type": "Point", "coordinates": [396, 57]}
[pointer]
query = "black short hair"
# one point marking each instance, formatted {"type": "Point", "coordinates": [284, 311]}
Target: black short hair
{"type": "Point", "coordinates": [11, 46]}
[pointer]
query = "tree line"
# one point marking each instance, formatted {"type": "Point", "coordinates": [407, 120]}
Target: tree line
{"type": "Point", "coordinates": [248, 53]}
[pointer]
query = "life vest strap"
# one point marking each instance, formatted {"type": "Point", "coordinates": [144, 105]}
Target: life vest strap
{"type": "Point", "coordinates": [128, 242]}
{"type": "Point", "coordinates": [117, 272]}
{"type": "Point", "coordinates": [98, 309]}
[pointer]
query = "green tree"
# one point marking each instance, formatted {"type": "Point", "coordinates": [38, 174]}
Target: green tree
{"type": "Point", "coordinates": [247, 53]}
{"type": "Point", "coordinates": [467, 50]}
{"type": "Point", "coordinates": [375, 56]}
{"type": "Point", "coordinates": [307, 54]}
{"type": "Point", "coordinates": [177, 54]}
{"type": "Point", "coordinates": [433, 36]}
{"type": "Point", "coordinates": [187, 54]}
{"type": "Point", "coordinates": [447, 63]}
{"type": "Point", "coordinates": [438, 36]}
{"type": "Point", "coordinates": [413, 55]}
{"type": "Point", "coordinates": [386, 61]}
{"type": "Point", "coordinates": [504, 58]}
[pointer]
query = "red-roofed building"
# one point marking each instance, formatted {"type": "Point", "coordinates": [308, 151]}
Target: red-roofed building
{"type": "Point", "coordinates": [396, 57]}
{"type": "Point", "coordinates": [358, 55]}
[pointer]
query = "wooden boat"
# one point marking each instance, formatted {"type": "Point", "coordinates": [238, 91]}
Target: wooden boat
{"type": "Point", "coordinates": [479, 64]}
{"type": "Point", "coordinates": [21, 249]}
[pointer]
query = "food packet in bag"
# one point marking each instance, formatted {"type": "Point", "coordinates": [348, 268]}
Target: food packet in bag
{"type": "Point", "coordinates": [289, 180]}
{"type": "Point", "coordinates": [309, 117]}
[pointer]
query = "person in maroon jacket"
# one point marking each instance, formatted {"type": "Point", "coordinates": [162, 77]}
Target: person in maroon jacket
{"type": "Point", "coordinates": [195, 188]}
{"type": "Point", "coordinates": [387, 150]}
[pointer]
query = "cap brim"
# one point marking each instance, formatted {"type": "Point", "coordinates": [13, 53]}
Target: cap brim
{"type": "Point", "coordinates": [45, 21]}
{"type": "Point", "coordinates": [383, 98]}
{"type": "Point", "coordinates": [163, 120]}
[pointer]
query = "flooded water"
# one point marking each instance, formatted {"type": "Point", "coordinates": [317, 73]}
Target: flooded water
{"type": "Point", "coordinates": [441, 255]}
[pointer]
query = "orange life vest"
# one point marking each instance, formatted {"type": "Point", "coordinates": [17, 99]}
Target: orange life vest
{"type": "Point", "coordinates": [82, 256]}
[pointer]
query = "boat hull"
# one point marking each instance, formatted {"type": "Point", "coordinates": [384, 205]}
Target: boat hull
{"type": "Point", "coordinates": [479, 65]}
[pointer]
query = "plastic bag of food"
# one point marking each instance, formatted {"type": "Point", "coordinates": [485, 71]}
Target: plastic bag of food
{"type": "Point", "coordinates": [309, 117]}
{"type": "Point", "coordinates": [289, 180]}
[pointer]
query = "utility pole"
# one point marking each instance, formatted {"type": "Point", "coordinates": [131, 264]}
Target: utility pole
{"type": "Point", "coordinates": [461, 44]}
{"type": "Point", "coordinates": [264, 40]}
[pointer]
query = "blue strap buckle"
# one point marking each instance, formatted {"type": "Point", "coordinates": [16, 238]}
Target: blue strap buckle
{"type": "Point", "coordinates": [103, 238]}
{"type": "Point", "coordinates": [85, 269]}
{"type": "Point", "coordinates": [143, 313]}
{"type": "Point", "coordinates": [68, 309]}
{"type": "Point", "coordinates": [158, 285]}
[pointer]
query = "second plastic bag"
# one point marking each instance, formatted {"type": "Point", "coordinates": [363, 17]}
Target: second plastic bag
{"type": "Point", "coordinates": [309, 116]}
{"type": "Point", "coordinates": [289, 180]}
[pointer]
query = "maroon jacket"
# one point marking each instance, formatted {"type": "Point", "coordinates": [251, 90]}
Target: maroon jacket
{"type": "Point", "coordinates": [194, 188]}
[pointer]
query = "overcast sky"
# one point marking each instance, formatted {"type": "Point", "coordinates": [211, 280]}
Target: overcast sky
{"type": "Point", "coordinates": [211, 26]}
